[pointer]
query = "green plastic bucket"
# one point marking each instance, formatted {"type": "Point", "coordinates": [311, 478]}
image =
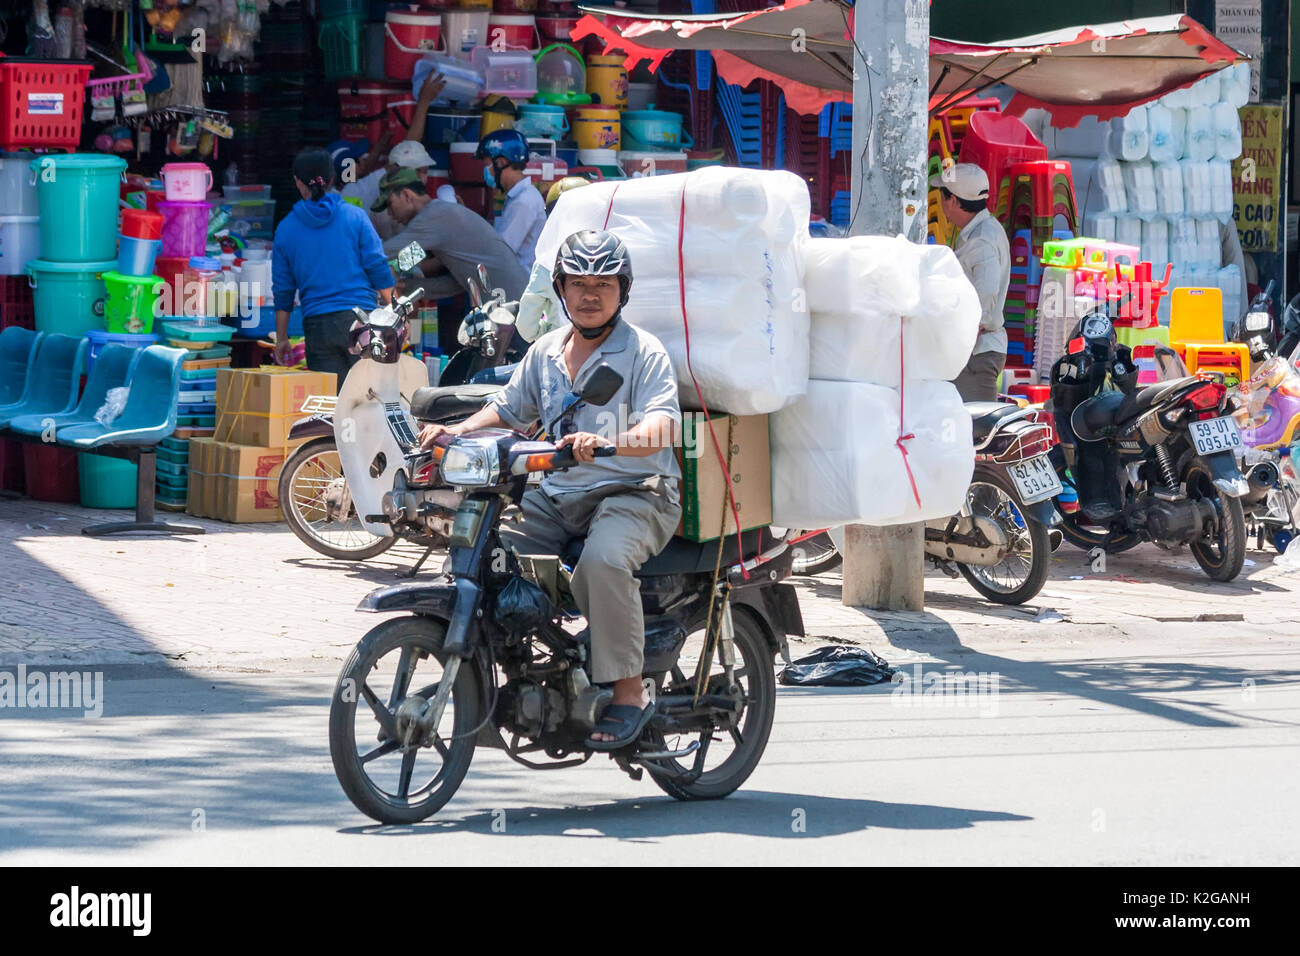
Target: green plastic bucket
{"type": "Point", "coordinates": [106, 482]}
{"type": "Point", "coordinates": [68, 297]}
{"type": "Point", "coordinates": [77, 196]}
{"type": "Point", "coordinates": [129, 306]}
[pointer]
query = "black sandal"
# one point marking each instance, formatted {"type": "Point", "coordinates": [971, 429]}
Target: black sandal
{"type": "Point", "coordinates": [625, 722]}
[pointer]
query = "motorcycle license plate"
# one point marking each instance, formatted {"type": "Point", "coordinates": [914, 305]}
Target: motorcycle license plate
{"type": "Point", "coordinates": [1035, 479]}
{"type": "Point", "coordinates": [1215, 435]}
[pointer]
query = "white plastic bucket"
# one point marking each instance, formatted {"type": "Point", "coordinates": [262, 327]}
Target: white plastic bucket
{"type": "Point", "coordinates": [464, 30]}
{"type": "Point", "coordinates": [20, 242]}
{"type": "Point", "coordinates": [186, 182]}
{"type": "Point", "coordinates": [16, 186]}
{"type": "Point", "coordinates": [513, 32]}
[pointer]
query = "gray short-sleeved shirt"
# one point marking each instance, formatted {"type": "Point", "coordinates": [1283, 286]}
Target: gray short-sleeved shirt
{"type": "Point", "coordinates": [461, 239]}
{"type": "Point", "coordinates": [536, 392]}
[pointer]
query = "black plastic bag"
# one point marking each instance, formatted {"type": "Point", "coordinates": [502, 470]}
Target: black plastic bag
{"type": "Point", "coordinates": [836, 666]}
{"type": "Point", "coordinates": [522, 606]}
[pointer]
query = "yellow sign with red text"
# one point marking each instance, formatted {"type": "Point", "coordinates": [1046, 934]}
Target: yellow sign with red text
{"type": "Point", "coordinates": [1257, 178]}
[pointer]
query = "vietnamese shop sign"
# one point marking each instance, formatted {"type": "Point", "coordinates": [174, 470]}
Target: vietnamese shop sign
{"type": "Point", "coordinates": [1238, 24]}
{"type": "Point", "coordinates": [1257, 178]}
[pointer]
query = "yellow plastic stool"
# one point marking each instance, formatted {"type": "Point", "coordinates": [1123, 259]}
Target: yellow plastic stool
{"type": "Point", "coordinates": [1196, 325]}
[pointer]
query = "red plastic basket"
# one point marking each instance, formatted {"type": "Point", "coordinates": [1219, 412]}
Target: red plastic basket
{"type": "Point", "coordinates": [16, 306]}
{"type": "Point", "coordinates": [41, 103]}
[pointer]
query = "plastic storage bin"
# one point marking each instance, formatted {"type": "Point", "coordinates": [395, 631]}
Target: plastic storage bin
{"type": "Point", "coordinates": [78, 198]}
{"type": "Point", "coordinates": [16, 185]}
{"type": "Point", "coordinates": [96, 341]}
{"type": "Point", "coordinates": [106, 482]}
{"type": "Point", "coordinates": [129, 302]}
{"type": "Point", "coordinates": [43, 102]}
{"type": "Point", "coordinates": [463, 82]}
{"type": "Point", "coordinates": [511, 73]}
{"type": "Point", "coordinates": [253, 219]}
{"type": "Point", "coordinates": [249, 193]}
{"type": "Point", "coordinates": [20, 242]}
{"type": "Point", "coordinates": [68, 296]}
{"type": "Point", "coordinates": [185, 228]}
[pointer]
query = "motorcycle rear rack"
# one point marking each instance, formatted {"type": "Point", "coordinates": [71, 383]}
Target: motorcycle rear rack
{"type": "Point", "coordinates": [319, 405]}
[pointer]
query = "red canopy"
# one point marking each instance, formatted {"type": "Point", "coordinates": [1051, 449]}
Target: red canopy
{"type": "Point", "coordinates": [806, 48]}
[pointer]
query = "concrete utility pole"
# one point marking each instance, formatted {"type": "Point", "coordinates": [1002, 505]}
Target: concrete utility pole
{"type": "Point", "coordinates": [884, 567]}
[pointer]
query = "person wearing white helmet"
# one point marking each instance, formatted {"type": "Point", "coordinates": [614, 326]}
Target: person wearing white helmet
{"type": "Point", "coordinates": [626, 506]}
{"type": "Point", "coordinates": [985, 256]}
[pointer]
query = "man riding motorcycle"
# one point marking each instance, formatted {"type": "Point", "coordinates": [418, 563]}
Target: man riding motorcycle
{"type": "Point", "coordinates": [627, 506]}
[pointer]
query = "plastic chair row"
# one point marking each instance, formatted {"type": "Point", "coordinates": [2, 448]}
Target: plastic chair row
{"type": "Point", "coordinates": [40, 390]}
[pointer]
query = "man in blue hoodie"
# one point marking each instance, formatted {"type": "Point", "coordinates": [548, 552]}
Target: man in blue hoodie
{"type": "Point", "coordinates": [329, 255]}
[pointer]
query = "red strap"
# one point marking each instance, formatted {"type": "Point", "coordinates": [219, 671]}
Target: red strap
{"type": "Point", "coordinates": [686, 328]}
{"type": "Point", "coordinates": [901, 436]}
{"type": "Point", "coordinates": [609, 210]}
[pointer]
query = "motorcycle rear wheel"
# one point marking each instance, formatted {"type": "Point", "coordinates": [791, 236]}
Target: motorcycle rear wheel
{"type": "Point", "coordinates": [307, 475]}
{"type": "Point", "coordinates": [417, 641]}
{"type": "Point", "coordinates": [993, 496]}
{"type": "Point", "coordinates": [757, 679]}
{"type": "Point", "coordinates": [1223, 558]}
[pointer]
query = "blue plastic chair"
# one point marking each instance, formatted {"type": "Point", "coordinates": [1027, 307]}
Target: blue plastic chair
{"type": "Point", "coordinates": [17, 347]}
{"type": "Point", "coordinates": [53, 379]}
{"type": "Point", "coordinates": [111, 369]}
{"type": "Point", "coordinates": [150, 412]}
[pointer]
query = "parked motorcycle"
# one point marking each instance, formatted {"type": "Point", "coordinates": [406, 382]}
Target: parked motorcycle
{"type": "Point", "coordinates": [1268, 414]}
{"type": "Point", "coordinates": [1000, 540]}
{"type": "Point", "coordinates": [425, 686]}
{"type": "Point", "coordinates": [370, 418]}
{"type": "Point", "coordinates": [1153, 464]}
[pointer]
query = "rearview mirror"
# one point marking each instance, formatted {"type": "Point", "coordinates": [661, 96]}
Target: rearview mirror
{"type": "Point", "coordinates": [602, 385]}
{"type": "Point", "coordinates": [502, 316]}
{"type": "Point", "coordinates": [1257, 321]}
{"type": "Point", "coordinates": [408, 257]}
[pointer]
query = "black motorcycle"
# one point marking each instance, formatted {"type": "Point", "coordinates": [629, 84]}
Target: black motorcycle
{"type": "Point", "coordinates": [490, 654]}
{"type": "Point", "coordinates": [1151, 464]}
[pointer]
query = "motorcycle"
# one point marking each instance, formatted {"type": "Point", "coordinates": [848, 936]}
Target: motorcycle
{"type": "Point", "coordinates": [1153, 464]}
{"type": "Point", "coordinates": [1268, 415]}
{"type": "Point", "coordinates": [369, 418]}
{"type": "Point", "coordinates": [504, 671]}
{"type": "Point", "coordinates": [1000, 541]}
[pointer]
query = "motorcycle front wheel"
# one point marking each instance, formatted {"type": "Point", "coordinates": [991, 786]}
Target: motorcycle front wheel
{"type": "Point", "coordinates": [1220, 556]}
{"type": "Point", "coordinates": [730, 755]}
{"type": "Point", "coordinates": [1023, 570]}
{"type": "Point", "coordinates": [396, 668]}
{"type": "Point", "coordinates": [311, 484]}
{"type": "Point", "coordinates": [814, 555]}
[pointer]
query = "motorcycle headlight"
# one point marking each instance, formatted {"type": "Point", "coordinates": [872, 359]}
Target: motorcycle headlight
{"type": "Point", "coordinates": [470, 462]}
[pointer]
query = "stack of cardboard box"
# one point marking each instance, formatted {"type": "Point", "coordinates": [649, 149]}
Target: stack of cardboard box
{"type": "Point", "coordinates": [706, 506]}
{"type": "Point", "coordinates": [234, 474]}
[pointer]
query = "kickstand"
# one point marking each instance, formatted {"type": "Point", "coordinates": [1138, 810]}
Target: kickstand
{"type": "Point", "coordinates": [419, 564]}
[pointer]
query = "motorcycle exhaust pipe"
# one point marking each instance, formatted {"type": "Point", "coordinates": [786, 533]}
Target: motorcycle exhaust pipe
{"type": "Point", "coordinates": [1263, 476]}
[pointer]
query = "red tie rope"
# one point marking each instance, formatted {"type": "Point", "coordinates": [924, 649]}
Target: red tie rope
{"type": "Point", "coordinates": [908, 436]}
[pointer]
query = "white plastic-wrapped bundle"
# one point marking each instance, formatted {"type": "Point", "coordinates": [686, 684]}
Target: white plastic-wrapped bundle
{"type": "Point", "coordinates": [1099, 225]}
{"type": "Point", "coordinates": [1140, 187]}
{"type": "Point", "coordinates": [1205, 91]}
{"type": "Point", "coordinates": [1180, 131]}
{"type": "Point", "coordinates": [1128, 135]}
{"type": "Point", "coordinates": [1227, 131]}
{"type": "Point", "coordinates": [1209, 249]}
{"type": "Point", "coordinates": [1128, 231]}
{"type": "Point", "coordinates": [835, 458]}
{"type": "Point", "coordinates": [1196, 187]}
{"type": "Point", "coordinates": [1234, 85]}
{"type": "Point", "coordinates": [1184, 248]}
{"type": "Point", "coordinates": [741, 256]}
{"type": "Point", "coordinates": [1164, 145]}
{"type": "Point", "coordinates": [1169, 189]}
{"type": "Point", "coordinates": [1201, 137]}
{"type": "Point", "coordinates": [1089, 138]}
{"type": "Point", "coordinates": [1221, 194]}
{"type": "Point", "coordinates": [1176, 99]}
{"type": "Point", "coordinates": [1155, 244]}
{"type": "Point", "coordinates": [1229, 282]}
{"type": "Point", "coordinates": [1110, 176]}
{"type": "Point", "coordinates": [867, 292]}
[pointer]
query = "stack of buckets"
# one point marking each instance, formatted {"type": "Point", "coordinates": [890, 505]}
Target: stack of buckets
{"type": "Point", "coordinates": [184, 234]}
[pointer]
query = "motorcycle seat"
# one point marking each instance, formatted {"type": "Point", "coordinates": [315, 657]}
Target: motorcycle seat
{"type": "Point", "coordinates": [1144, 399]}
{"type": "Point", "coordinates": [985, 417]}
{"type": "Point", "coordinates": [1110, 409]}
{"type": "Point", "coordinates": [682, 556]}
{"type": "Point", "coordinates": [435, 403]}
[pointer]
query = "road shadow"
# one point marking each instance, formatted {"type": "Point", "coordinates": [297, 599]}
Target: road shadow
{"type": "Point", "coordinates": [745, 813]}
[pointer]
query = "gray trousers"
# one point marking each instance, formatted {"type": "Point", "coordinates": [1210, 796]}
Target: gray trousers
{"type": "Point", "coordinates": [978, 381]}
{"type": "Point", "coordinates": [624, 525]}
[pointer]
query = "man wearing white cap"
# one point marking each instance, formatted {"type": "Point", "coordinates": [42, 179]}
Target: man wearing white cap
{"type": "Point", "coordinates": [985, 257]}
{"type": "Point", "coordinates": [408, 154]}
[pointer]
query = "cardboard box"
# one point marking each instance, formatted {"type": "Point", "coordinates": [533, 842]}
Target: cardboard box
{"type": "Point", "coordinates": [704, 494]}
{"type": "Point", "coordinates": [232, 482]}
{"type": "Point", "coordinates": [258, 406]}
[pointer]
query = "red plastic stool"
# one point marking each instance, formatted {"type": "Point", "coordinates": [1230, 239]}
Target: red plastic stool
{"type": "Point", "coordinates": [994, 142]}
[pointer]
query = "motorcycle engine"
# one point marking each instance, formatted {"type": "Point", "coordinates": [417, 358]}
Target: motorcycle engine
{"type": "Point", "coordinates": [1177, 522]}
{"type": "Point", "coordinates": [531, 709]}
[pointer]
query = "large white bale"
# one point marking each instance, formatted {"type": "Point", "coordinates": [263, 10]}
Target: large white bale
{"type": "Point", "coordinates": [835, 458]}
{"type": "Point", "coordinates": [740, 254]}
{"type": "Point", "coordinates": [867, 292]}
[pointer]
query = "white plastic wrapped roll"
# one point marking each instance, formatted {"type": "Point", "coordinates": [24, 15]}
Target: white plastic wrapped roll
{"type": "Point", "coordinates": [853, 472]}
{"type": "Point", "coordinates": [1227, 131]}
{"type": "Point", "coordinates": [1140, 187]}
{"type": "Point", "coordinates": [1234, 85]}
{"type": "Point", "coordinates": [1155, 244]}
{"type": "Point", "coordinates": [1099, 225]}
{"type": "Point", "coordinates": [1110, 174]}
{"type": "Point", "coordinates": [1201, 137]}
{"type": "Point", "coordinates": [1128, 135]}
{"type": "Point", "coordinates": [1169, 189]}
{"type": "Point", "coordinates": [1196, 187]}
{"type": "Point", "coordinates": [1222, 199]}
{"type": "Point", "coordinates": [1164, 145]}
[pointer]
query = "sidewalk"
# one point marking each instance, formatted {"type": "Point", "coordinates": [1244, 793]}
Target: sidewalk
{"type": "Point", "coordinates": [253, 598]}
